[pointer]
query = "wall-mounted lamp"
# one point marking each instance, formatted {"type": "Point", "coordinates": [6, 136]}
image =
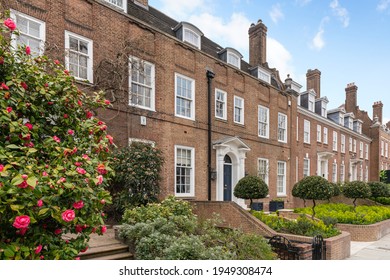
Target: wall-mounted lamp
{"type": "Point", "coordinates": [213, 174]}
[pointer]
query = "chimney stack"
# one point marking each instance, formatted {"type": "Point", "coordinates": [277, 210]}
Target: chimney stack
{"type": "Point", "coordinates": [351, 98]}
{"type": "Point", "coordinates": [377, 110]}
{"type": "Point", "coordinates": [257, 44]}
{"type": "Point", "coordinates": [313, 81]}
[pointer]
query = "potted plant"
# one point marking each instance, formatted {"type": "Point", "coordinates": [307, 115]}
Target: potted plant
{"type": "Point", "coordinates": [251, 187]}
{"type": "Point", "coordinates": [276, 204]}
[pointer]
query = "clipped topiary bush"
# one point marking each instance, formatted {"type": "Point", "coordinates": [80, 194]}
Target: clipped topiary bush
{"type": "Point", "coordinates": [53, 157]}
{"type": "Point", "coordinates": [251, 187]}
{"type": "Point", "coordinates": [355, 190]}
{"type": "Point", "coordinates": [379, 189]}
{"type": "Point", "coordinates": [314, 188]}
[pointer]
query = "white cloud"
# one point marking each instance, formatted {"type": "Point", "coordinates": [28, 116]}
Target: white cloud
{"type": "Point", "coordinates": [276, 13]}
{"type": "Point", "coordinates": [383, 5]}
{"type": "Point", "coordinates": [181, 12]}
{"type": "Point", "coordinates": [318, 42]}
{"type": "Point", "coordinates": [280, 58]}
{"type": "Point", "coordinates": [340, 12]}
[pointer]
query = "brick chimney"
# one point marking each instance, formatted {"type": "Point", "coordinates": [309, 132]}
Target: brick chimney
{"type": "Point", "coordinates": [313, 81]}
{"type": "Point", "coordinates": [257, 44]}
{"type": "Point", "coordinates": [142, 3]}
{"type": "Point", "coordinates": [351, 98]}
{"type": "Point", "coordinates": [377, 110]}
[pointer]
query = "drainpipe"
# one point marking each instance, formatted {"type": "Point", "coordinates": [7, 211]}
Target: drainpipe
{"type": "Point", "coordinates": [210, 75]}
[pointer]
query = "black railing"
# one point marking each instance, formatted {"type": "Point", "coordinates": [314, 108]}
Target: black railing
{"type": "Point", "coordinates": [283, 248]}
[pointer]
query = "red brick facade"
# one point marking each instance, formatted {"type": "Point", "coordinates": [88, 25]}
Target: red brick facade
{"type": "Point", "coordinates": [179, 85]}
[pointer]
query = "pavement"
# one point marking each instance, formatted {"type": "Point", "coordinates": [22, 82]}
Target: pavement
{"type": "Point", "coordinates": [376, 250]}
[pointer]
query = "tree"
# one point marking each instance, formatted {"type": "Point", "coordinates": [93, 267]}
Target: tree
{"type": "Point", "coordinates": [137, 176]}
{"type": "Point", "coordinates": [53, 157]}
{"type": "Point", "coordinates": [251, 187]}
{"type": "Point", "coordinates": [379, 189]}
{"type": "Point", "coordinates": [314, 188]}
{"type": "Point", "coordinates": [355, 190]}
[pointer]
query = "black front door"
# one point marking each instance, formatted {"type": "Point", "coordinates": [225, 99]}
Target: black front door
{"type": "Point", "coordinates": [227, 179]}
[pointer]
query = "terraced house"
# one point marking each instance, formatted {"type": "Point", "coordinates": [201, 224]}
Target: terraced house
{"type": "Point", "coordinates": [215, 116]}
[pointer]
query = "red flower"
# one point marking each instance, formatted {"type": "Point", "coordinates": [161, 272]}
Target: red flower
{"type": "Point", "coordinates": [10, 24]}
{"type": "Point", "coordinates": [56, 62]}
{"type": "Point", "coordinates": [50, 103]}
{"type": "Point", "coordinates": [78, 205]}
{"type": "Point", "coordinates": [4, 86]}
{"type": "Point", "coordinates": [21, 222]}
{"type": "Point", "coordinates": [38, 249]}
{"type": "Point", "coordinates": [81, 170]}
{"type": "Point", "coordinates": [70, 132]}
{"type": "Point", "coordinates": [44, 174]}
{"type": "Point", "coordinates": [21, 231]}
{"type": "Point", "coordinates": [61, 180]}
{"type": "Point", "coordinates": [24, 85]}
{"type": "Point", "coordinates": [66, 72]}
{"type": "Point", "coordinates": [86, 157]}
{"type": "Point", "coordinates": [103, 201]}
{"type": "Point", "coordinates": [66, 116]}
{"type": "Point", "coordinates": [101, 169]}
{"type": "Point", "coordinates": [80, 103]}
{"type": "Point", "coordinates": [104, 229]}
{"type": "Point", "coordinates": [78, 228]}
{"type": "Point", "coordinates": [89, 114]}
{"type": "Point", "coordinates": [100, 180]}
{"type": "Point", "coordinates": [40, 203]}
{"type": "Point", "coordinates": [68, 215]}
{"type": "Point", "coordinates": [55, 138]}
{"type": "Point", "coordinates": [1, 60]}
{"type": "Point", "coordinates": [9, 109]}
{"type": "Point", "coordinates": [110, 139]}
{"type": "Point", "coordinates": [28, 50]}
{"type": "Point", "coordinates": [57, 231]}
{"type": "Point", "coordinates": [107, 102]}
{"type": "Point", "coordinates": [23, 185]}
{"type": "Point", "coordinates": [1, 168]}
{"type": "Point", "coordinates": [84, 250]}
{"type": "Point", "coordinates": [29, 126]}
{"type": "Point", "coordinates": [77, 163]}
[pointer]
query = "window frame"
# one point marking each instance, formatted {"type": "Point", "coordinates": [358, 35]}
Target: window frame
{"type": "Point", "coordinates": [366, 151]}
{"type": "Point", "coordinates": [68, 35]}
{"type": "Point", "coordinates": [152, 87]}
{"type": "Point", "coordinates": [230, 55]}
{"type": "Point", "coordinates": [224, 109]}
{"type": "Point", "coordinates": [284, 191]}
{"type": "Point", "coordinates": [319, 132]}
{"type": "Point", "coordinates": [342, 148]}
{"type": "Point", "coordinates": [306, 167]}
{"type": "Point", "coordinates": [191, 100]}
{"type": "Point", "coordinates": [335, 142]}
{"type": "Point", "coordinates": [123, 7]}
{"type": "Point", "coordinates": [334, 172]}
{"type": "Point", "coordinates": [306, 131]}
{"type": "Point", "coordinates": [242, 110]}
{"type": "Point", "coordinates": [196, 35]}
{"type": "Point", "coordinates": [260, 107]}
{"type": "Point", "coordinates": [325, 136]}
{"type": "Point", "coordinates": [192, 171]}
{"type": "Point", "coordinates": [266, 174]}
{"type": "Point", "coordinates": [282, 130]}
{"type": "Point", "coordinates": [342, 172]}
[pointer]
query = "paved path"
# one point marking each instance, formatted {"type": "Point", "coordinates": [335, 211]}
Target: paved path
{"type": "Point", "coordinates": [376, 250]}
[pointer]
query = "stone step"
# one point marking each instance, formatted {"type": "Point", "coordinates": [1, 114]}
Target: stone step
{"type": "Point", "coordinates": [110, 251]}
{"type": "Point", "coordinates": [120, 256]}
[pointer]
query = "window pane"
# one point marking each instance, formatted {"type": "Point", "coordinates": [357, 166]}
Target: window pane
{"type": "Point", "coordinates": [83, 47]}
{"type": "Point", "coordinates": [34, 29]}
{"type": "Point", "coordinates": [73, 44]}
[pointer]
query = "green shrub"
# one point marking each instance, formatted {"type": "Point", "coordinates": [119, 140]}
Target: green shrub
{"type": "Point", "coordinates": [53, 157]}
{"type": "Point", "coordinates": [251, 187]}
{"type": "Point", "coordinates": [383, 200]}
{"type": "Point", "coordinates": [169, 230]}
{"type": "Point", "coordinates": [379, 189]}
{"type": "Point", "coordinates": [314, 188]}
{"type": "Point", "coordinates": [137, 177]}
{"type": "Point", "coordinates": [355, 190]}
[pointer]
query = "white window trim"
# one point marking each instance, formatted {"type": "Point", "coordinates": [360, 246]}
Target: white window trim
{"type": "Point", "coordinates": [335, 142]}
{"type": "Point", "coordinates": [228, 54]}
{"type": "Point", "coordinates": [334, 172]}
{"type": "Point", "coordinates": [42, 29]}
{"type": "Point", "coordinates": [192, 117]}
{"type": "Point", "coordinates": [325, 136]}
{"type": "Point", "coordinates": [198, 41]}
{"type": "Point", "coordinates": [308, 166]}
{"type": "Point", "coordinates": [306, 124]}
{"type": "Point", "coordinates": [145, 141]}
{"type": "Point", "coordinates": [284, 179]}
{"type": "Point", "coordinates": [267, 168]}
{"type": "Point", "coordinates": [192, 178]}
{"type": "Point", "coordinates": [350, 144]}
{"type": "Point", "coordinates": [153, 86]}
{"type": "Point", "coordinates": [342, 143]}
{"type": "Point", "coordinates": [224, 117]}
{"type": "Point", "coordinates": [90, 54]}
{"type": "Point", "coordinates": [123, 7]}
{"type": "Point", "coordinates": [342, 174]}
{"type": "Point", "coordinates": [242, 110]}
{"type": "Point", "coordinates": [285, 128]}
{"type": "Point", "coordinates": [366, 151]}
{"type": "Point", "coordinates": [319, 130]}
{"type": "Point", "coordinates": [361, 149]}
{"type": "Point", "coordinates": [258, 122]}
{"type": "Point", "coordinates": [354, 145]}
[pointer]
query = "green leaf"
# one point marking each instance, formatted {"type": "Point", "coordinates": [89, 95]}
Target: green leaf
{"type": "Point", "coordinates": [43, 211]}
{"type": "Point", "coordinates": [16, 207]}
{"type": "Point", "coordinates": [12, 146]}
{"type": "Point", "coordinates": [32, 181]}
{"type": "Point", "coordinates": [9, 253]}
{"type": "Point", "coordinates": [17, 180]}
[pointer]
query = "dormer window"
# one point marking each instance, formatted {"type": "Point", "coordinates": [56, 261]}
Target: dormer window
{"type": "Point", "coordinates": [262, 74]}
{"type": "Point", "coordinates": [121, 4]}
{"type": "Point", "coordinates": [358, 126]}
{"type": "Point", "coordinates": [231, 56]}
{"type": "Point", "coordinates": [311, 102]}
{"type": "Point", "coordinates": [189, 33]}
{"type": "Point", "coordinates": [341, 119]}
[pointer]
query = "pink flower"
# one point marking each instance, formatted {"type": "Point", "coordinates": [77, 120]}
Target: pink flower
{"type": "Point", "coordinates": [81, 170]}
{"type": "Point", "coordinates": [66, 116]}
{"type": "Point", "coordinates": [44, 174]}
{"type": "Point", "coordinates": [68, 215]}
{"type": "Point", "coordinates": [70, 132]}
{"type": "Point", "coordinates": [10, 24]}
{"type": "Point", "coordinates": [77, 163]}
{"type": "Point", "coordinates": [110, 139]}
{"type": "Point", "coordinates": [89, 114]}
{"type": "Point", "coordinates": [38, 249]}
{"type": "Point", "coordinates": [21, 222]}
{"type": "Point", "coordinates": [21, 231]}
{"type": "Point", "coordinates": [86, 157]}
{"type": "Point", "coordinates": [24, 177]}
{"type": "Point", "coordinates": [61, 180]}
{"type": "Point", "coordinates": [4, 86]}
{"type": "Point", "coordinates": [78, 205]}
{"type": "Point", "coordinates": [101, 169]}
{"type": "Point", "coordinates": [66, 72]}
{"type": "Point", "coordinates": [107, 102]}
{"type": "Point", "coordinates": [23, 185]}
{"type": "Point", "coordinates": [55, 138]}
{"type": "Point", "coordinates": [9, 109]}
{"type": "Point", "coordinates": [102, 201]}
{"type": "Point", "coordinates": [24, 85]}
{"type": "Point", "coordinates": [100, 180]}
{"type": "Point", "coordinates": [40, 203]}
{"type": "Point", "coordinates": [42, 257]}
{"type": "Point", "coordinates": [28, 50]}
{"type": "Point", "coordinates": [104, 229]}
{"type": "Point", "coordinates": [1, 168]}
{"type": "Point", "coordinates": [29, 126]}
{"type": "Point", "coordinates": [56, 62]}
{"type": "Point", "coordinates": [57, 231]}
{"type": "Point", "coordinates": [77, 258]}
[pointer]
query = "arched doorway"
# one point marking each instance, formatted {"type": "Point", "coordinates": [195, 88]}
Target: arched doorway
{"type": "Point", "coordinates": [227, 178]}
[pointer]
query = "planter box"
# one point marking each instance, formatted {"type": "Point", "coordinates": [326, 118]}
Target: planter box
{"type": "Point", "coordinates": [276, 205]}
{"type": "Point", "coordinates": [257, 206]}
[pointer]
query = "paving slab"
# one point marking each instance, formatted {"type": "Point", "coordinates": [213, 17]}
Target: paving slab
{"type": "Point", "coordinates": [377, 250]}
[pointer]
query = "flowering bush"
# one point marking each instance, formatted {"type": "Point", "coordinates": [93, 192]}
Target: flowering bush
{"type": "Point", "coordinates": [53, 157]}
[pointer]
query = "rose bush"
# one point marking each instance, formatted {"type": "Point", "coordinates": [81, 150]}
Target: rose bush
{"type": "Point", "coordinates": [47, 125]}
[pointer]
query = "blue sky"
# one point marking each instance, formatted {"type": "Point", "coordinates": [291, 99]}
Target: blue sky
{"type": "Point", "coordinates": [347, 40]}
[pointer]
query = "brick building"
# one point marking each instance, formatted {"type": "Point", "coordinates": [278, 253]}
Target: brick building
{"type": "Point", "coordinates": [215, 116]}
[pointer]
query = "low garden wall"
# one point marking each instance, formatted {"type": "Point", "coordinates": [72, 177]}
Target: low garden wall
{"type": "Point", "coordinates": [337, 248]}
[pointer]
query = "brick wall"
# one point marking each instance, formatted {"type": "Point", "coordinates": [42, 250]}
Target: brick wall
{"type": "Point", "coordinates": [366, 232]}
